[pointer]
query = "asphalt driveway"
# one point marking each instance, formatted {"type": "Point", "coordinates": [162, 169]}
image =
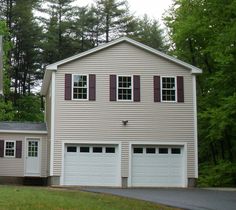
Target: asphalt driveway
{"type": "Point", "coordinates": [194, 199]}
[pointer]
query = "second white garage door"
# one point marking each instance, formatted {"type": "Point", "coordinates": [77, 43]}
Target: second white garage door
{"type": "Point", "coordinates": [91, 165]}
{"type": "Point", "coordinates": [157, 166]}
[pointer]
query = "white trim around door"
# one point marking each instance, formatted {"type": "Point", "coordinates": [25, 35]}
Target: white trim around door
{"type": "Point", "coordinates": [33, 156]}
{"type": "Point", "coordinates": [92, 143]}
{"type": "Point", "coordinates": [183, 145]}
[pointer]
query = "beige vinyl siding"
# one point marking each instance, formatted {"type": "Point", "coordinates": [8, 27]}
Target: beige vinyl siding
{"type": "Point", "coordinates": [101, 120]}
{"type": "Point", "coordinates": [125, 159]}
{"type": "Point", "coordinates": [15, 166]}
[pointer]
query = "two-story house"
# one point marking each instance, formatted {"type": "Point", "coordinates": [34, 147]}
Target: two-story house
{"type": "Point", "coordinates": [121, 114]}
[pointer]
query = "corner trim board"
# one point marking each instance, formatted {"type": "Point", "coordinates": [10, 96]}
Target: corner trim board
{"type": "Point", "coordinates": [52, 122]}
{"type": "Point", "coordinates": [195, 125]}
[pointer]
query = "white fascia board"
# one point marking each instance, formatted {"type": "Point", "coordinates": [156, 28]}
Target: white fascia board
{"type": "Point", "coordinates": [194, 69]}
{"type": "Point", "coordinates": [46, 82]}
{"type": "Point", "coordinates": [23, 131]}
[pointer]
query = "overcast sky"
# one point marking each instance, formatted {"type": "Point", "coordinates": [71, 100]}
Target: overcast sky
{"type": "Point", "coordinates": [153, 8]}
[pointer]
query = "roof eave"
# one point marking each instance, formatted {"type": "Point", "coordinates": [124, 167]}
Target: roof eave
{"type": "Point", "coordinates": [24, 131]}
{"type": "Point", "coordinates": [196, 71]}
{"type": "Point", "coordinates": [46, 81]}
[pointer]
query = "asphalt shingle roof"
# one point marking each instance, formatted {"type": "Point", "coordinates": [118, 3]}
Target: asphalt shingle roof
{"type": "Point", "coordinates": [23, 126]}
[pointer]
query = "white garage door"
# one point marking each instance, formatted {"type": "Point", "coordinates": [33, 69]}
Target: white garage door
{"type": "Point", "coordinates": [154, 166]}
{"type": "Point", "coordinates": [91, 165]}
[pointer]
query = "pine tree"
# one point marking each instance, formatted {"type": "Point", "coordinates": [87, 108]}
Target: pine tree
{"type": "Point", "coordinates": [111, 17]}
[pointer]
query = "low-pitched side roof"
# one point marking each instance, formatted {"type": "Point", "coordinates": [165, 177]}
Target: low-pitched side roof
{"type": "Point", "coordinates": [23, 127]}
{"type": "Point", "coordinates": [54, 66]}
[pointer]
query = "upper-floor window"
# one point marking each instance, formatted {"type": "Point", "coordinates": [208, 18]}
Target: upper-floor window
{"type": "Point", "coordinates": [124, 88]}
{"type": "Point", "coordinates": [80, 87]}
{"type": "Point", "coordinates": [168, 89]}
{"type": "Point", "coordinates": [10, 148]}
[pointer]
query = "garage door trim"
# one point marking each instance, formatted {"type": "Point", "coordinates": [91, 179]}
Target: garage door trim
{"type": "Point", "coordinates": [64, 143]}
{"type": "Point", "coordinates": [144, 143]}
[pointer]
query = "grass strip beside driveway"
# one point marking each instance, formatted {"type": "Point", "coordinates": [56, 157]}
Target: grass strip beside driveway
{"type": "Point", "coordinates": [37, 198]}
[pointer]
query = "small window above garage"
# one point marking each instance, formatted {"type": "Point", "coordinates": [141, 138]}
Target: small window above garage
{"type": "Point", "coordinates": [163, 150]}
{"type": "Point", "coordinates": [110, 150]}
{"type": "Point", "coordinates": [150, 150]}
{"type": "Point", "coordinates": [138, 150]}
{"type": "Point", "coordinates": [84, 149]}
{"type": "Point", "coordinates": [71, 149]}
{"type": "Point", "coordinates": [97, 149]}
{"type": "Point", "coordinates": [175, 151]}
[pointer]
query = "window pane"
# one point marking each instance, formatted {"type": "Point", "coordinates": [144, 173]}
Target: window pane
{"type": "Point", "coordinates": [97, 149]}
{"type": "Point", "coordinates": [163, 150]}
{"type": "Point", "coordinates": [84, 149]}
{"type": "Point", "coordinates": [124, 88]}
{"type": "Point", "coordinates": [110, 149]}
{"type": "Point", "coordinates": [168, 89]}
{"type": "Point", "coordinates": [33, 149]}
{"type": "Point", "coordinates": [80, 87]}
{"type": "Point", "coordinates": [10, 149]}
{"type": "Point", "coordinates": [138, 150]}
{"type": "Point", "coordinates": [150, 150]}
{"type": "Point", "coordinates": [175, 151]}
{"type": "Point", "coordinates": [71, 149]}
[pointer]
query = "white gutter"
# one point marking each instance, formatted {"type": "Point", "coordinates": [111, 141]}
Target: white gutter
{"type": "Point", "coordinates": [23, 131]}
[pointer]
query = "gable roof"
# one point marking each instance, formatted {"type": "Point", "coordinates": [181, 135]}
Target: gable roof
{"type": "Point", "coordinates": [54, 66]}
{"type": "Point", "coordinates": [23, 127]}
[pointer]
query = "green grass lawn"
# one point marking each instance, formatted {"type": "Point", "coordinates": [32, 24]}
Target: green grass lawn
{"type": "Point", "coordinates": [34, 198]}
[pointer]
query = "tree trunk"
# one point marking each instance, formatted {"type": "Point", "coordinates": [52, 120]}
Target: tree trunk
{"type": "Point", "coordinates": [60, 32]}
{"type": "Point", "coordinates": [229, 145]}
{"type": "Point", "coordinates": [207, 64]}
{"type": "Point", "coordinates": [213, 153]}
{"type": "Point", "coordinates": [222, 149]}
{"type": "Point", "coordinates": [107, 28]}
{"type": "Point", "coordinates": [82, 43]}
{"type": "Point", "coordinates": [193, 60]}
{"type": "Point", "coordinates": [9, 13]}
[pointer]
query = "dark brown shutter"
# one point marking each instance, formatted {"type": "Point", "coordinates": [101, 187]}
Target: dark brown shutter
{"type": "Point", "coordinates": [180, 89]}
{"type": "Point", "coordinates": [136, 82]}
{"type": "Point", "coordinates": [1, 148]}
{"type": "Point", "coordinates": [92, 87]}
{"type": "Point", "coordinates": [68, 83]}
{"type": "Point", "coordinates": [157, 88]}
{"type": "Point", "coordinates": [112, 87]}
{"type": "Point", "coordinates": [18, 149]}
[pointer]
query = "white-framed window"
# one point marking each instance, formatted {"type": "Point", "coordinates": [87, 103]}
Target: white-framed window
{"type": "Point", "coordinates": [124, 88]}
{"type": "Point", "coordinates": [10, 149]}
{"type": "Point", "coordinates": [168, 89]}
{"type": "Point", "coordinates": [80, 87]}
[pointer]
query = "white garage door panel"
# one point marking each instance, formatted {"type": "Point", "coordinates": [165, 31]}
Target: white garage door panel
{"type": "Point", "coordinates": [91, 169]}
{"type": "Point", "coordinates": [157, 170]}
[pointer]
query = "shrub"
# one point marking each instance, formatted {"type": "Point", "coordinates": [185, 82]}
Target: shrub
{"type": "Point", "coordinates": [221, 175]}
